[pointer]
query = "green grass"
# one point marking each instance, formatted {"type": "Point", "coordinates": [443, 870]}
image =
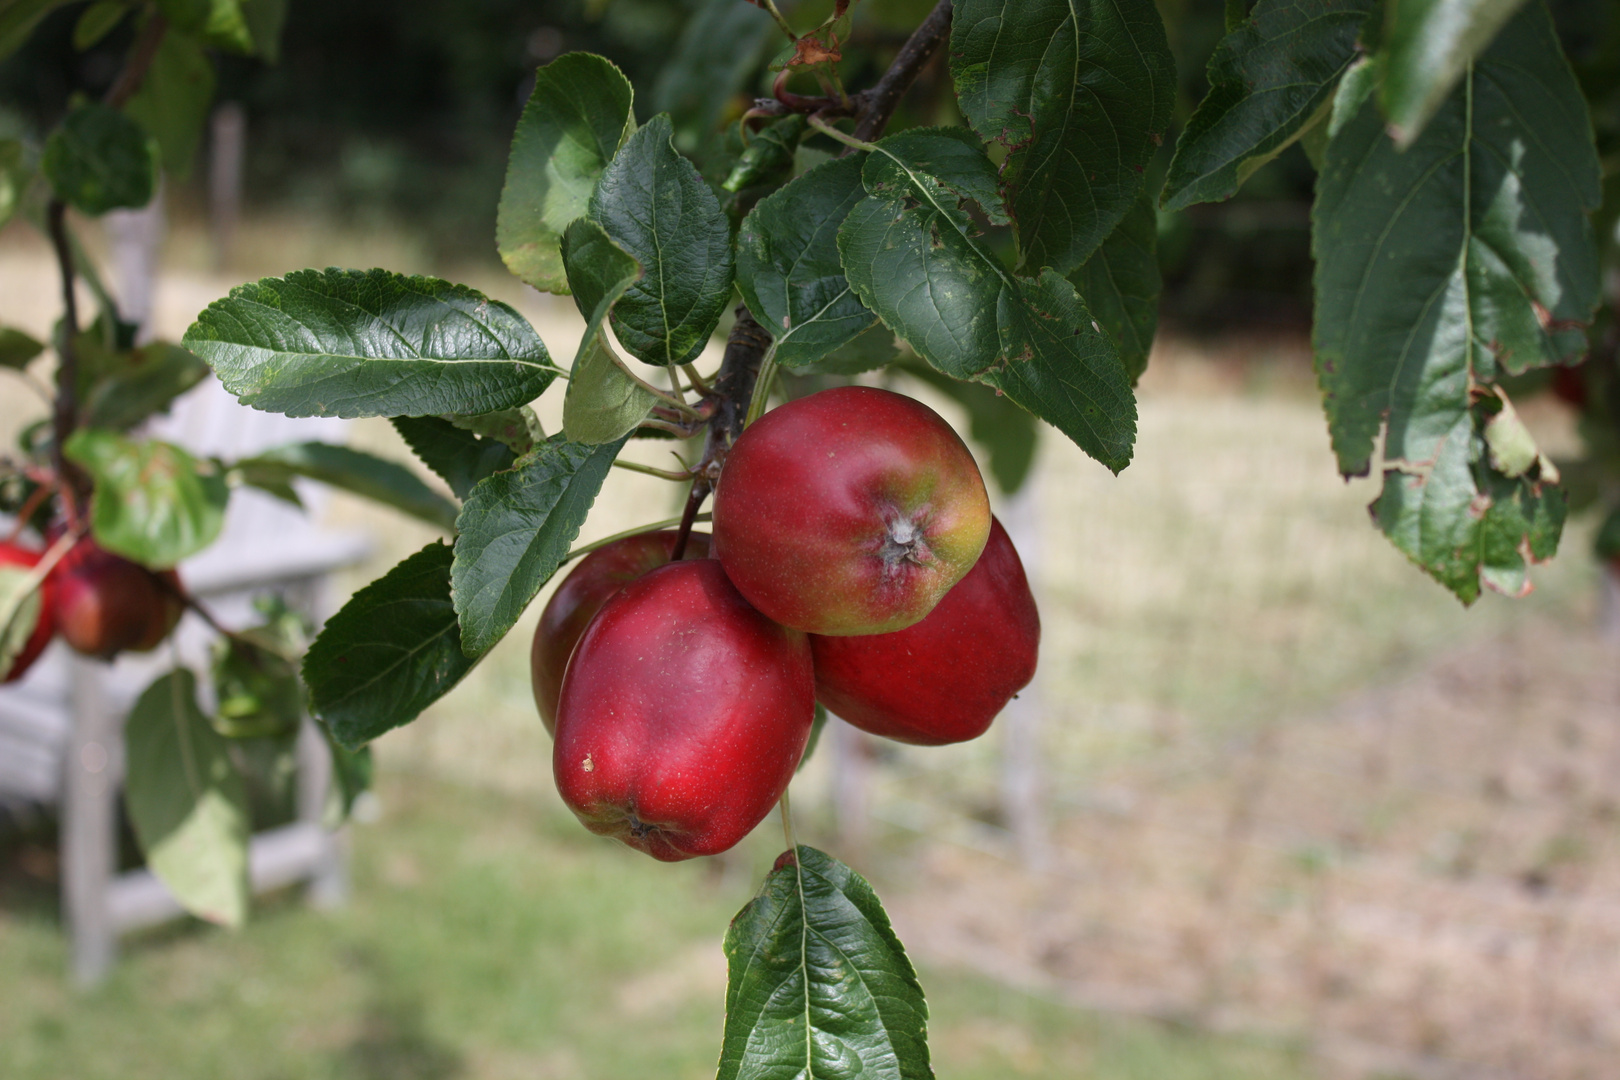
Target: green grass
{"type": "Point", "coordinates": [490, 937]}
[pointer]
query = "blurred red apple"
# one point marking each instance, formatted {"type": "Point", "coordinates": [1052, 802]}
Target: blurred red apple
{"type": "Point", "coordinates": [851, 511]}
{"type": "Point", "coordinates": [106, 604]}
{"type": "Point", "coordinates": [946, 678]}
{"type": "Point", "coordinates": [581, 595]}
{"type": "Point", "coordinates": [683, 714]}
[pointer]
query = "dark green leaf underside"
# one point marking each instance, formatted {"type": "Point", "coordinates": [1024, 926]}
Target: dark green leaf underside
{"type": "Point", "coordinates": [1080, 92]}
{"type": "Point", "coordinates": [1267, 80]}
{"type": "Point", "coordinates": [393, 650]}
{"type": "Point", "coordinates": [788, 268]}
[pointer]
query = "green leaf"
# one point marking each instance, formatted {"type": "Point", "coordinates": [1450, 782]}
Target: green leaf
{"type": "Point", "coordinates": [1006, 432]}
{"type": "Point", "coordinates": [21, 606]}
{"type": "Point", "coordinates": [393, 650]}
{"type": "Point", "coordinates": [1268, 79]}
{"type": "Point", "coordinates": [15, 173]}
{"type": "Point", "coordinates": [1512, 448]}
{"type": "Point", "coordinates": [820, 985]}
{"type": "Point", "coordinates": [17, 349]}
{"type": "Point", "coordinates": [18, 19]}
{"type": "Point", "coordinates": [351, 774]}
{"type": "Point", "coordinates": [951, 157]}
{"type": "Point", "coordinates": [912, 256]}
{"type": "Point", "coordinates": [97, 21]}
{"type": "Point", "coordinates": [1465, 523]}
{"type": "Point", "coordinates": [173, 101]}
{"type": "Point", "coordinates": [153, 502]}
{"type": "Point", "coordinates": [1080, 93]}
{"type": "Point", "coordinates": [769, 157]}
{"type": "Point", "coordinates": [98, 160]}
{"type": "Point", "coordinates": [719, 48]}
{"type": "Point", "coordinates": [355, 471]}
{"type": "Point", "coordinates": [1443, 267]}
{"type": "Point", "coordinates": [1427, 46]}
{"type": "Point", "coordinates": [575, 121]}
{"type": "Point", "coordinates": [1121, 285]}
{"type": "Point", "coordinates": [256, 684]}
{"type": "Point", "coordinates": [226, 24]}
{"type": "Point", "coordinates": [516, 528]}
{"type": "Point", "coordinates": [1463, 257]}
{"type": "Point", "coordinates": [518, 428]}
{"type": "Point", "coordinates": [265, 19]}
{"type": "Point", "coordinates": [604, 401]}
{"type": "Point", "coordinates": [867, 351]}
{"type": "Point", "coordinates": [135, 385]}
{"type": "Point", "coordinates": [653, 204]}
{"type": "Point", "coordinates": [461, 457]}
{"type": "Point", "coordinates": [1606, 544]}
{"type": "Point", "coordinates": [370, 343]}
{"type": "Point", "coordinates": [187, 802]}
{"type": "Point", "coordinates": [788, 267]}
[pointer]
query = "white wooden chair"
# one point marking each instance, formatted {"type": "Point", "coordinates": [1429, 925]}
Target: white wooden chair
{"type": "Point", "coordinates": [61, 727]}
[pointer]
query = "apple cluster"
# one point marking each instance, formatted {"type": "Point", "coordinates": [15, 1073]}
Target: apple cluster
{"type": "Point", "coordinates": [101, 604]}
{"type": "Point", "coordinates": [854, 561]}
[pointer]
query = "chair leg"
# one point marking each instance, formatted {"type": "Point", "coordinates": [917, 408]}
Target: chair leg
{"type": "Point", "coordinates": [329, 881]}
{"type": "Point", "coordinates": [90, 824]}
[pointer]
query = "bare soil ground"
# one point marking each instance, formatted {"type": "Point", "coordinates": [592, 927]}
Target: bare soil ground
{"type": "Point", "coordinates": [1423, 880]}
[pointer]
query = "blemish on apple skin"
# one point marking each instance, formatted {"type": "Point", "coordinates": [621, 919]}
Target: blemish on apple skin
{"type": "Point", "coordinates": [588, 765]}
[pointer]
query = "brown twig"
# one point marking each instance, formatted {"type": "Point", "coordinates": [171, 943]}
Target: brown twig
{"type": "Point", "coordinates": [65, 416]}
{"type": "Point", "coordinates": [141, 55]}
{"type": "Point", "coordinates": [877, 105]}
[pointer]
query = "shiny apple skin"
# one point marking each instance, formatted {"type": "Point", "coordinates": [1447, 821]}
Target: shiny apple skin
{"type": "Point", "coordinates": [27, 558]}
{"type": "Point", "coordinates": [106, 604]}
{"type": "Point", "coordinates": [851, 511]}
{"type": "Point", "coordinates": [946, 678]}
{"type": "Point", "coordinates": [683, 714]}
{"type": "Point", "coordinates": [581, 595]}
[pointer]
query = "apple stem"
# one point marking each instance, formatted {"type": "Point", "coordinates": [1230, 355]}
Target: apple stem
{"type": "Point", "coordinates": [662, 474]}
{"type": "Point", "coordinates": [697, 381]}
{"type": "Point", "coordinates": [586, 549]}
{"type": "Point", "coordinates": [66, 414]}
{"type": "Point", "coordinates": [762, 387]}
{"type": "Point", "coordinates": [786, 806]}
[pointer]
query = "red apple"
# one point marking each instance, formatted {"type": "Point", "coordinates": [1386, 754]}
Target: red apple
{"type": "Point", "coordinates": [851, 511]}
{"type": "Point", "coordinates": [581, 595]}
{"type": "Point", "coordinates": [683, 714]}
{"type": "Point", "coordinates": [24, 559]}
{"type": "Point", "coordinates": [944, 679]}
{"type": "Point", "coordinates": [106, 604]}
